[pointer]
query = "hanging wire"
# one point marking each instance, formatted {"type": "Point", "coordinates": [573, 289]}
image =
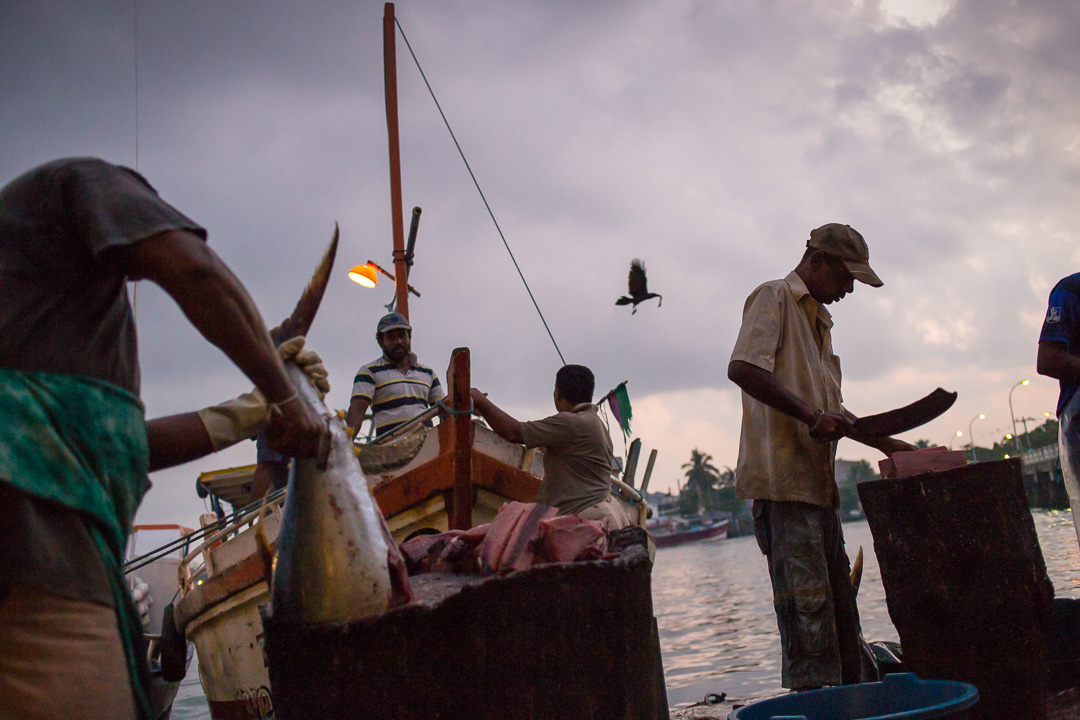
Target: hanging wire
{"type": "Point", "coordinates": [135, 289]}
{"type": "Point", "coordinates": [479, 190]}
{"type": "Point", "coordinates": [136, 4]}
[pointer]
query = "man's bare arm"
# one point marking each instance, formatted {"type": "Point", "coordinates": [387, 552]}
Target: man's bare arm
{"type": "Point", "coordinates": [1054, 360]}
{"type": "Point", "coordinates": [763, 386]}
{"type": "Point", "coordinates": [354, 416]}
{"type": "Point", "coordinates": [500, 421]}
{"type": "Point", "coordinates": [219, 307]}
{"type": "Point", "coordinates": [177, 439]}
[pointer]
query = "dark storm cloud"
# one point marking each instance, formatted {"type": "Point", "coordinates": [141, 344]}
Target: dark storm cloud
{"type": "Point", "coordinates": [707, 138]}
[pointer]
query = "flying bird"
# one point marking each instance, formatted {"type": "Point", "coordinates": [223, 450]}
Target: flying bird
{"type": "Point", "coordinates": [638, 287]}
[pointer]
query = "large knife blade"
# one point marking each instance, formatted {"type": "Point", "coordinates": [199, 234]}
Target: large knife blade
{"type": "Point", "coordinates": [911, 416]}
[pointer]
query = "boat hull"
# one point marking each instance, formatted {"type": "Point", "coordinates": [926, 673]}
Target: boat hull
{"type": "Point", "coordinates": [456, 476]}
{"type": "Point", "coordinates": [671, 539]}
{"type": "Point", "coordinates": [232, 664]}
{"type": "Point", "coordinates": [221, 615]}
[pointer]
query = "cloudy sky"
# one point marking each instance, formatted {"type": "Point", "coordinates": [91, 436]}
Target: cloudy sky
{"type": "Point", "coordinates": [706, 137]}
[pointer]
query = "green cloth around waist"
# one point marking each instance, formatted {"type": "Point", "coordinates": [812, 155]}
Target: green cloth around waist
{"type": "Point", "coordinates": [81, 442]}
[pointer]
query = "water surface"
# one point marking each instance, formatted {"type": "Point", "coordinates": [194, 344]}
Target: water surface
{"type": "Point", "coordinates": [713, 604]}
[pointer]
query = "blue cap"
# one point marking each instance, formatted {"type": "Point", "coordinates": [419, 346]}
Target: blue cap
{"type": "Point", "coordinates": [393, 321]}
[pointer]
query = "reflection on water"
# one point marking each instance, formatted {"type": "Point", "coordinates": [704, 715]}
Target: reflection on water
{"type": "Point", "coordinates": [713, 603]}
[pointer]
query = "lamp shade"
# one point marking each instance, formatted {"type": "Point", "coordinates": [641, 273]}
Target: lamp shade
{"type": "Point", "coordinates": [364, 275]}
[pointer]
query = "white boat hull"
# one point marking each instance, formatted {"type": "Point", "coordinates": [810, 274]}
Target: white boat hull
{"type": "Point", "coordinates": [232, 665]}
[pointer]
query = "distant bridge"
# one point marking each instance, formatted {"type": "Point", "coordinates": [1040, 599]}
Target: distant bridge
{"type": "Point", "coordinates": [1042, 478]}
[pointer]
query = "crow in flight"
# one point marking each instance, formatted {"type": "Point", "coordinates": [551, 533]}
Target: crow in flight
{"type": "Point", "coordinates": [638, 287]}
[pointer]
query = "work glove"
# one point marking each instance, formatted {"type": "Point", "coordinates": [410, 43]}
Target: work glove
{"type": "Point", "coordinates": [308, 360]}
{"type": "Point", "coordinates": [244, 417]}
{"type": "Point", "coordinates": [140, 595]}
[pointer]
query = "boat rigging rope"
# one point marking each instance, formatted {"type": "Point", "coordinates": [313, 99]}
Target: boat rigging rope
{"type": "Point", "coordinates": [186, 540]}
{"type": "Point", "coordinates": [478, 189]}
{"type": "Point", "coordinates": [451, 411]}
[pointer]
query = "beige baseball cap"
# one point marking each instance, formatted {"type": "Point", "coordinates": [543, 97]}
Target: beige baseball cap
{"type": "Point", "coordinates": [844, 242]}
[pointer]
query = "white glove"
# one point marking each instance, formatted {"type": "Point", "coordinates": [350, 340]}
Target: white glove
{"type": "Point", "coordinates": [244, 417]}
{"type": "Point", "coordinates": [140, 593]}
{"type": "Point", "coordinates": [308, 360]}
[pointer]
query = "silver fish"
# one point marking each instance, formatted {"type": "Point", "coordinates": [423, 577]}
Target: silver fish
{"type": "Point", "coordinates": [335, 559]}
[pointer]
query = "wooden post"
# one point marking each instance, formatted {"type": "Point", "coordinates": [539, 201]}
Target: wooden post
{"type": "Point", "coordinates": [965, 582]}
{"type": "Point", "coordinates": [459, 382]}
{"type": "Point", "coordinates": [390, 75]}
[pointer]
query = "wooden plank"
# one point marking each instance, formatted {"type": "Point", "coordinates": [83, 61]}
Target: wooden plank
{"type": "Point", "coordinates": [217, 588]}
{"type": "Point", "coordinates": [459, 381]}
{"type": "Point", "coordinates": [503, 479]}
{"type": "Point", "coordinates": [397, 494]}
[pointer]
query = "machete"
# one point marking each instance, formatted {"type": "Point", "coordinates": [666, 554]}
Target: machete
{"type": "Point", "coordinates": [911, 416]}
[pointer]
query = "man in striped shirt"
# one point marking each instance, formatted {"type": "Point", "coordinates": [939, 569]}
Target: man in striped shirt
{"type": "Point", "coordinates": [395, 386]}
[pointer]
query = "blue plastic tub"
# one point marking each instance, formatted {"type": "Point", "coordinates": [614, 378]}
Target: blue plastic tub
{"type": "Point", "coordinates": [900, 696]}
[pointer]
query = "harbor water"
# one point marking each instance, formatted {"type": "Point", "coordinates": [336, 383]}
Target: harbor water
{"type": "Point", "coordinates": [713, 604]}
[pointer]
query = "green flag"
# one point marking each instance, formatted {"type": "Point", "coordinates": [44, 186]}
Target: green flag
{"type": "Point", "coordinates": [619, 402]}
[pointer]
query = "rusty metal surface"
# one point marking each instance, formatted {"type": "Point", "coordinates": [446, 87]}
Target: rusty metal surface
{"type": "Point", "coordinates": [564, 641]}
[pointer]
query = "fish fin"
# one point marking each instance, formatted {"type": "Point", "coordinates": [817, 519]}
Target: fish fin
{"type": "Point", "coordinates": [266, 553]}
{"type": "Point", "coordinates": [299, 322]}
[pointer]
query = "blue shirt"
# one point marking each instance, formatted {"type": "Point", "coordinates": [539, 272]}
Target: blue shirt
{"type": "Point", "coordinates": [1062, 324]}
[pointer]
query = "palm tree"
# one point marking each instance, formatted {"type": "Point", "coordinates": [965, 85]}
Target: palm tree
{"type": "Point", "coordinates": [701, 478]}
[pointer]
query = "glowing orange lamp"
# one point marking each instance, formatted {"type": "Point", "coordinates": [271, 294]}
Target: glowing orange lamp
{"type": "Point", "coordinates": [364, 275]}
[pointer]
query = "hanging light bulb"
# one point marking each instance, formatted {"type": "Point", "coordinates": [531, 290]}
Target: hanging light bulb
{"type": "Point", "coordinates": [364, 275]}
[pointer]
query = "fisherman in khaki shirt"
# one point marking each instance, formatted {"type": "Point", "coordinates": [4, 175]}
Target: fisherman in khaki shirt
{"type": "Point", "coordinates": [578, 457]}
{"type": "Point", "coordinates": [793, 417]}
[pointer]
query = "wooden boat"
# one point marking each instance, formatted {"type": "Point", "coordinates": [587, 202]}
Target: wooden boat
{"type": "Point", "coordinates": [679, 531]}
{"type": "Point", "coordinates": [455, 475]}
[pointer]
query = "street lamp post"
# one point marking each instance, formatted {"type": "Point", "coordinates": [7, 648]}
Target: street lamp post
{"type": "Point", "coordinates": [1016, 442]}
{"type": "Point", "coordinates": [959, 433]}
{"type": "Point", "coordinates": [971, 435]}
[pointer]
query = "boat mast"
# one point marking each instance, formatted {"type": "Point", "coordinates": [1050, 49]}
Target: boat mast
{"type": "Point", "coordinates": [390, 72]}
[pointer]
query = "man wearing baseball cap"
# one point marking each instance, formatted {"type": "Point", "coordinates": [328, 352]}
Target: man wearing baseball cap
{"type": "Point", "coordinates": [395, 386]}
{"type": "Point", "coordinates": [792, 419]}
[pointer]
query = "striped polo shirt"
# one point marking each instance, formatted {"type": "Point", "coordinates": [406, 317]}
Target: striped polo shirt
{"type": "Point", "coordinates": [396, 397]}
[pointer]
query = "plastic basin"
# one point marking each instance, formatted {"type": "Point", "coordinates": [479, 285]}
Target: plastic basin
{"type": "Point", "coordinates": [900, 696]}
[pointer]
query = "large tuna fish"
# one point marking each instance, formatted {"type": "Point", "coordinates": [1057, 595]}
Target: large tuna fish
{"type": "Point", "coordinates": [335, 559]}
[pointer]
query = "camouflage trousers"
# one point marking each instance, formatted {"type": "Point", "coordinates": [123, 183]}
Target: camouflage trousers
{"type": "Point", "coordinates": [812, 593]}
